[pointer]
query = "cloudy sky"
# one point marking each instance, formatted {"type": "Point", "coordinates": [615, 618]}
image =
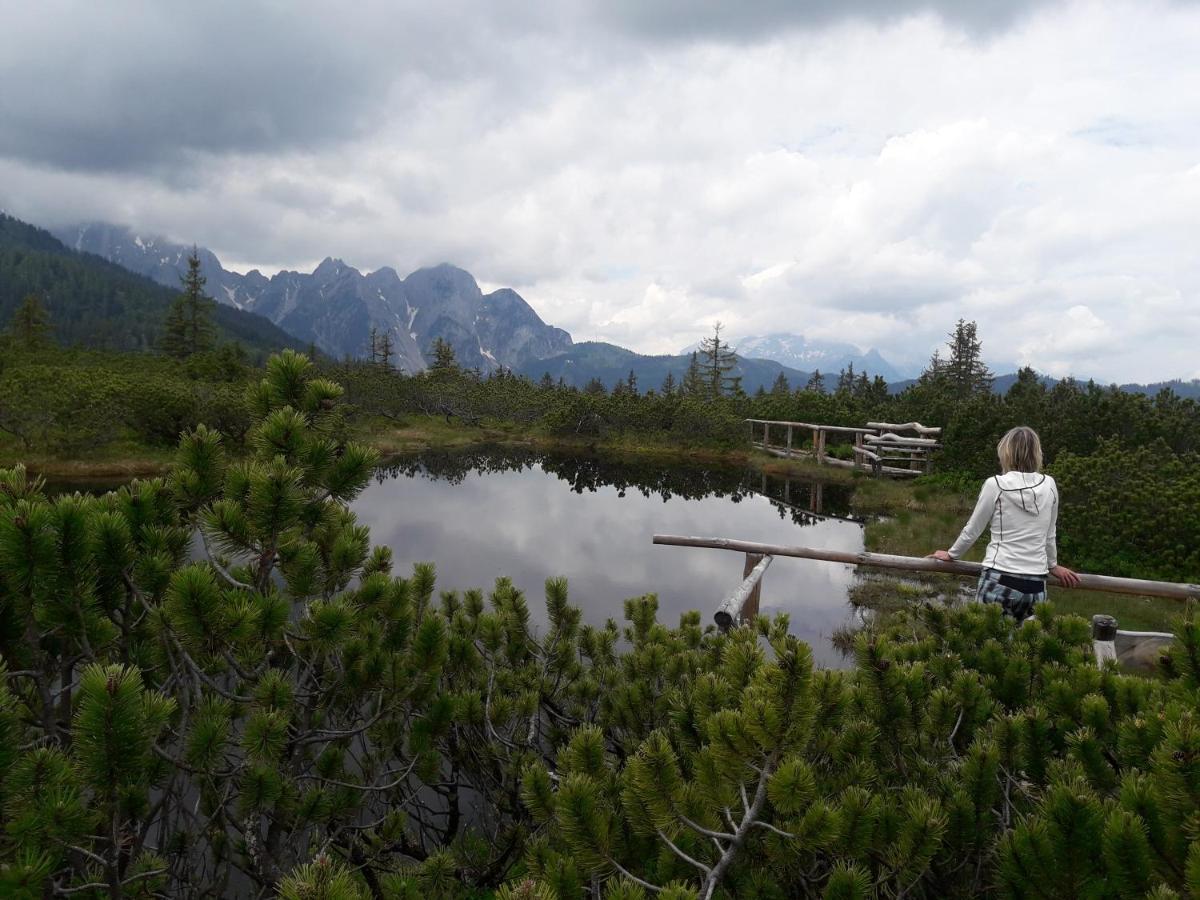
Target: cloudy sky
{"type": "Point", "coordinates": [863, 170]}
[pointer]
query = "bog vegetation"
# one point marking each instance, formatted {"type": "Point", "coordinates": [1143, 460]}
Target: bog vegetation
{"type": "Point", "coordinates": [214, 685]}
{"type": "Point", "coordinates": [69, 402]}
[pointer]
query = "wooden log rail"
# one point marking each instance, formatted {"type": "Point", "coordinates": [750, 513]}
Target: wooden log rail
{"type": "Point", "coordinates": [1138, 650]}
{"type": "Point", "coordinates": [872, 449]}
{"type": "Point", "coordinates": [1106, 583]}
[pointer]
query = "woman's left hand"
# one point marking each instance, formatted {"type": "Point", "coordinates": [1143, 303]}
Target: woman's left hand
{"type": "Point", "coordinates": [942, 555]}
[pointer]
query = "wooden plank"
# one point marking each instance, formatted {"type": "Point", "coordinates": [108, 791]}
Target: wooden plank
{"type": "Point", "coordinates": [890, 439]}
{"type": "Point", "coordinates": [730, 611]}
{"type": "Point", "coordinates": [832, 461]}
{"type": "Point", "coordinates": [1108, 583]}
{"type": "Point", "coordinates": [907, 426]}
{"type": "Point", "coordinates": [845, 429]}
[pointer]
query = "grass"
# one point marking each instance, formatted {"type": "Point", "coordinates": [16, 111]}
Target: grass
{"type": "Point", "coordinates": [118, 461]}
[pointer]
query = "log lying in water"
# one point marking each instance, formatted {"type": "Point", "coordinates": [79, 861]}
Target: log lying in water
{"type": "Point", "coordinates": [1106, 583]}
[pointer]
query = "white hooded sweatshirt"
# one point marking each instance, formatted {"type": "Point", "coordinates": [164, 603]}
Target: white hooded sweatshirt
{"type": "Point", "coordinates": [1021, 509]}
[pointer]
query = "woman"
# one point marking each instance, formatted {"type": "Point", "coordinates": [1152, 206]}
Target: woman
{"type": "Point", "coordinates": [1021, 507]}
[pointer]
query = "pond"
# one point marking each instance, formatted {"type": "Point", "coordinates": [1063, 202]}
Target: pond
{"type": "Point", "coordinates": [485, 513]}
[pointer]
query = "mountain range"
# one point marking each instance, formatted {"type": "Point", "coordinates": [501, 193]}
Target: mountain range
{"type": "Point", "coordinates": [107, 286]}
{"type": "Point", "coordinates": [335, 306]}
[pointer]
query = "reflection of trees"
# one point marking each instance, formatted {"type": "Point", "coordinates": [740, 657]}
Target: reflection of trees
{"type": "Point", "coordinates": [793, 499]}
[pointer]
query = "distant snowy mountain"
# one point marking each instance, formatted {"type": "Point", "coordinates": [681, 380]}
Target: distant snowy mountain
{"type": "Point", "coordinates": [336, 306]}
{"type": "Point", "coordinates": [798, 352]}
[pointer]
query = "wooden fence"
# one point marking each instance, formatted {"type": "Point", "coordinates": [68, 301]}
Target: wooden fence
{"type": "Point", "coordinates": [743, 604]}
{"type": "Point", "coordinates": [875, 446]}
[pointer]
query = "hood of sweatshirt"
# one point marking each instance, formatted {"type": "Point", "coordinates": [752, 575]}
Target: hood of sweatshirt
{"type": "Point", "coordinates": [1027, 492]}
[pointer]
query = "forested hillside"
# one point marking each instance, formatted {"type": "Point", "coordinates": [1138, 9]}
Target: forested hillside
{"type": "Point", "coordinates": [97, 304]}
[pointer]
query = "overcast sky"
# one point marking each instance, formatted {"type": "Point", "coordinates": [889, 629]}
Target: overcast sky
{"type": "Point", "coordinates": [862, 170]}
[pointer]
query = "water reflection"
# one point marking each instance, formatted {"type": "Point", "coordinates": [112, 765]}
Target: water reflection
{"type": "Point", "coordinates": [483, 513]}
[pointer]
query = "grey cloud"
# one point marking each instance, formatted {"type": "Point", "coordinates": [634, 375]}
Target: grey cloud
{"type": "Point", "coordinates": [753, 19]}
{"type": "Point", "coordinates": [125, 86]}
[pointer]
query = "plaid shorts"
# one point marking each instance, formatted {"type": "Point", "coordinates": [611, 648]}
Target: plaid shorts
{"type": "Point", "coordinates": [1015, 602]}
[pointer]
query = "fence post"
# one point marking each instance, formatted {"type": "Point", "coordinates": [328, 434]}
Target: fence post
{"type": "Point", "coordinates": [750, 607]}
{"type": "Point", "coordinates": [766, 434]}
{"type": "Point", "coordinates": [789, 442]}
{"type": "Point", "coordinates": [1104, 639]}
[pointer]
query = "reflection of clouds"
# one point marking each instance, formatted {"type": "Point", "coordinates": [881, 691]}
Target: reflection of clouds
{"type": "Point", "coordinates": [529, 525]}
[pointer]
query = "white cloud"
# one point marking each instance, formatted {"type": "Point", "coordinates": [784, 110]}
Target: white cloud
{"type": "Point", "coordinates": [870, 179]}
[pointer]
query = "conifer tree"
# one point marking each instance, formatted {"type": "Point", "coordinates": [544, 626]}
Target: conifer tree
{"type": "Point", "coordinates": [693, 381]}
{"type": "Point", "coordinates": [716, 361]}
{"type": "Point", "coordinates": [443, 356]}
{"type": "Point", "coordinates": [845, 382]}
{"type": "Point", "coordinates": [30, 324]}
{"type": "Point", "coordinates": [780, 387]}
{"type": "Point", "coordinates": [668, 388]}
{"type": "Point", "coordinates": [188, 329]}
{"type": "Point", "coordinates": [816, 382]}
{"type": "Point", "coordinates": [968, 375]}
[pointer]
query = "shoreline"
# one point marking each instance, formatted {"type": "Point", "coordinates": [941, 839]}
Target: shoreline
{"type": "Point", "coordinates": [908, 518]}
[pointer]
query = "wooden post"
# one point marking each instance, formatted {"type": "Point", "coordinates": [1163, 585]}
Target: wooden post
{"type": "Point", "coordinates": [750, 606]}
{"type": "Point", "coordinates": [789, 442]}
{"type": "Point", "coordinates": [766, 433]}
{"type": "Point", "coordinates": [858, 445]}
{"type": "Point", "coordinates": [818, 497]}
{"type": "Point", "coordinates": [743, 603]}
{"type": "Point", "coordinates": [1104, 639]}
{"type": "Point", "coordinates": [816, 444]}
{"type": "Point", "coordinates": [821, 451]}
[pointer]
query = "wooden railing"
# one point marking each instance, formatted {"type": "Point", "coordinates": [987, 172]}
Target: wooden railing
{"type": "Point", "coordinates": [735, 609]}
{"type": "Point", "coordinates": [876, 445]}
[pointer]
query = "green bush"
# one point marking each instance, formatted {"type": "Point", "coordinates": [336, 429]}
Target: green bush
{"type": "Point", "coordinates": [285, 713]}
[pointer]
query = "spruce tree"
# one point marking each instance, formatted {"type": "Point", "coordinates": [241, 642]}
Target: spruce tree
{"type": "Point", "coordinates": [693, 381]}
{"type": "Point", "coordinates": [816, 382]}
{"type": "Point", "coordinates": [780, 387]}
{"type": "Point", "coordinates": [443, 356]}
{"type": "Point", "coordinates": [717, 360]}
{"type": "Point", "coordinates": [668, 388]}
{"type": "Point", "coordinates": [386, 351]}
{"type": "Point", "coordinates": [30, 324]}
{"type": "Point", "coordinates": [965, 370]}
{"type": "Point", "coordinates": [188, 329]}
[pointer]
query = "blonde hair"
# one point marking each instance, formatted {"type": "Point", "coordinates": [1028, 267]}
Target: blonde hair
{"type": "Point", "coordinates": [1020, 450]}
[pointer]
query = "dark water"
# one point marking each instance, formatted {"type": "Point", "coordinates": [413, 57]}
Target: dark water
{"type": "Point", "coordinates": [481, 514]}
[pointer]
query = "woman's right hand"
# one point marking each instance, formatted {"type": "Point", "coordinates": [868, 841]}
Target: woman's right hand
{"type": "Point", "coordinates": [942, 555]}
